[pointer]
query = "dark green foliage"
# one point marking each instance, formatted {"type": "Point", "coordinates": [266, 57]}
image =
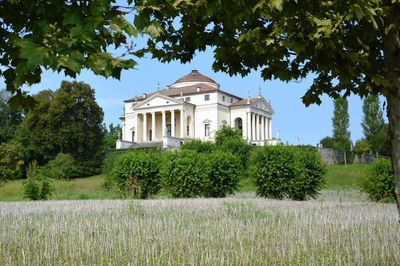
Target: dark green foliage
{"type": "Point", "coordinates": [111, 155]}
{"type": "Point", "coordinates": [229, 139]}
{"type": "Point", "coordinates": [373, 123]}
{"type": "Point", "coordinates": [136, 173]}
{"type": "Point", "coordinates": [11, 161]}
{"type": "Point", "coordinates": [68, 121]}
{"type": "Point", "coordinates": [62, 167]}
{"type": "Point", "coordinates": [340, 123]}
{"type": "Point", "coordinates": [379, 183]}
{"type": "Point", "coordinates": [362, 146]}
{"type": "Point", "coordinates": [286, 171]}
{"type": "Point", "coordinates": [111, 135]}
{"type": "Point", "coordinates": [309, 179]}
{"type": "Point", "coordinates": [37, 187]}
{"type": "Point", "coordinates": [184, 173]}
{"type": "Point", "coordinates": [10, 118]}
{"type": "Point", "coordinates": [224, 173]}
{"type": "Point", "coordinates": [199, 146]}
{"type": "Point", "coordinates": [328, 142]}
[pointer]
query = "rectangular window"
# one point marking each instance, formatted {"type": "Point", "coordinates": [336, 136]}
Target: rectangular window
{"type": "Point", "coordinates": [133, 136]}
{"type": "Point", "coordinates": [187, 99]}
{"type": "Point", "coordinates": [231, 100]}
{"type": "Point", "coordinates": [150, 135]}
{"type": "Point", "coordinates": [169, 130]}
{"type": "Point", "coordinates": [207, 130]}
{"type": "Point", "coordinates": [206, 97]}
{"type": "Point", "coordinates": [187, 131]}
{"type": "Point", "coordinates": [223, 98]}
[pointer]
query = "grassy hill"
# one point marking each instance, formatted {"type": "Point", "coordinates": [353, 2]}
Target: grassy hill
{"type": "Point", "coordinates": [339, 177]}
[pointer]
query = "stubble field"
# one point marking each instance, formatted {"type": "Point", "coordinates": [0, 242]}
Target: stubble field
{"type": "Point", "coordinates": [241, 230]}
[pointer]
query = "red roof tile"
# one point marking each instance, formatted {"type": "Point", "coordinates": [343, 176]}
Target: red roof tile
{"type": "Point", "coordinates": [194, 76]}
{"type": "Point", "coordinates": [244, 102]}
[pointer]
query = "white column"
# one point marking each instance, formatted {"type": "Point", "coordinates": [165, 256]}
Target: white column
{"type": "Point", "coordinates": [153, 126]}
{"type": "Point", "coordinates": [182, 130]}
{"type": "Point", "coordinates": [253, 126]}
{"type": "Point", "coordinates": [258, 127]}
{"type": "Point", "coordinates": [270, 128]}
{"type": "Point", "coordinates": [136, 129]}
{"type": "Point", "coordinates": [248, 126]}
{"type": "Point", "coordinates": [163, 124]}
{"type": "Point", "coordinates": [262, 128]}
{"type": "Point", "coordinates": [144, 127]}
{"type": "Point", "coordinates": [172, 123]}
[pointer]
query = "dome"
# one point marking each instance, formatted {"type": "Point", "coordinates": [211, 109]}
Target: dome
{"type": "Point", "coordinates": [194, 78]}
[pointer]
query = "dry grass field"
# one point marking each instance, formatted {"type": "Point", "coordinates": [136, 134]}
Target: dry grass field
{"type": "Point", "coordinates": [240, 230]}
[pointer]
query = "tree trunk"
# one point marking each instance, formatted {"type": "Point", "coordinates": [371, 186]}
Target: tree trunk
{"type": "Point", "coordinates": [345, 159]}
{"type": "Point", "coordinates": [394, 128]}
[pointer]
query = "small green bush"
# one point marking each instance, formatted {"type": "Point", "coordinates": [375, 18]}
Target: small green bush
{"type": "Point", "coordinates": [223, 174]}
{"type": "Point", "coordinates": [184, 173]}
{"type": "Point", "coordinates": [62, 167]}
{"type": "Point", "coordinates": [379, 183]}
{"type": "Point", "coordinates": [37, 187]}
{"type": "Point", "coordinates": [136, 173]}
{"type": "Point", "coordinates": [199, 146]}
{"type": "Point", "coordinates": [287, 172]}
{"type": "Point", "coordinates": [309, 180]}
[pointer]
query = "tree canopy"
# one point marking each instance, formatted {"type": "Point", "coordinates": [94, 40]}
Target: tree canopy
{"type": "Point", "coordinates": [63, 36]}
{"type": "Point", "coordinates": [69, 121]}
{"type": "Point", "coordinates": [340, 123]}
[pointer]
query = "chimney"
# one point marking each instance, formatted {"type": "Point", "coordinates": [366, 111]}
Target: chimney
{"type": "Point", "coordinates": [144, 95]}
{"type": "Point", "coordinates": [198, 89]}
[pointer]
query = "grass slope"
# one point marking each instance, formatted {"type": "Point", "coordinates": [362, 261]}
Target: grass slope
{"type": "Point", "coordinates": [339, 177]}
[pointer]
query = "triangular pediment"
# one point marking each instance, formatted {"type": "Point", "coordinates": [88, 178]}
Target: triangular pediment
{"type": "Point", "coordinates": [157, 100]}
{"type": "Point", "coordinates": [263, 105]}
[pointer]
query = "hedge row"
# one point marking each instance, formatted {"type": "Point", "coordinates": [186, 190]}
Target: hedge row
{"type": "Point", "coordinates": [183, 173]}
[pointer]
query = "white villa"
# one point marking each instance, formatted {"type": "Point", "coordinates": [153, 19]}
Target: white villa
{"type": "Point", "coordinates": [193, 107]}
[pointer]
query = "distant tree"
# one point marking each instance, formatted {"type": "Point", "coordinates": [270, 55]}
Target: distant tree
{"type": "Point", "coordinates": [111, 135]}
{"type": "Point", "coordinates": [10, 118]}
{"type": "Point", "coordinates": [327, 142]}
{"type": "Point", "coordinates": [373, 123]}
{"type": "Point", "coordinates": [362, 146]}
{"type": "Point", "coordinates": [68, 121]}
{"type": "Point", "coordinates": [340, 122]}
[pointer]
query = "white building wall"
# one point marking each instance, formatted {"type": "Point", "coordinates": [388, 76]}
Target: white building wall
{"type": "Point", "coordinates": [202, 114]}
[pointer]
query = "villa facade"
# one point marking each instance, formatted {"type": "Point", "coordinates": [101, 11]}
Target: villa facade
{"type": "Point", "coordinates": [193, 107]}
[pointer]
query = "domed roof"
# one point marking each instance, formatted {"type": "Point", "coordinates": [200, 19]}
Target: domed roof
{"type": "Point", "coordinates": [194, 76]}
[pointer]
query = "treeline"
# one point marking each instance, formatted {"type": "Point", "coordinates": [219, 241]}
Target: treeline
{"type": "Point", "coordinates": [63, 131]}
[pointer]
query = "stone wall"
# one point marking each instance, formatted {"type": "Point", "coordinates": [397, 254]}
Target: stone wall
{"type": "Point", "coordinates": [332, 156]}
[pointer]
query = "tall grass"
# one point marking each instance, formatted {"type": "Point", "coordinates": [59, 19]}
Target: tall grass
{"type": "Point", "coordinates": [231, 231]}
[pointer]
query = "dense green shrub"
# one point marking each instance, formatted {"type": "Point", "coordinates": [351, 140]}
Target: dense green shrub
{"type": "Point", "coordinates": [136, 173]}
{"type": "Point", "coordinates": [62, 167]}
{"type": "Point", "coordinates": [286, 171]}
{"type": "Point", "coordinates": [37, 187]}
{"type": "Point", "coordinates": [187, 173]}
{"type": "Point", "coordinates": [230, 139]}
{"type": "Point", "coordinates": [379, 183]}
{"type": "Point", "coordinates": [309, 180]}
{"type": "Point", "coordinates": [111, 156]}
{"type": "Point", "coordinates": [199, 146]}
{"type": "Point", "coordinates": [184, 173]}
{"type": "Point", "coordinates": [223, 174]}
